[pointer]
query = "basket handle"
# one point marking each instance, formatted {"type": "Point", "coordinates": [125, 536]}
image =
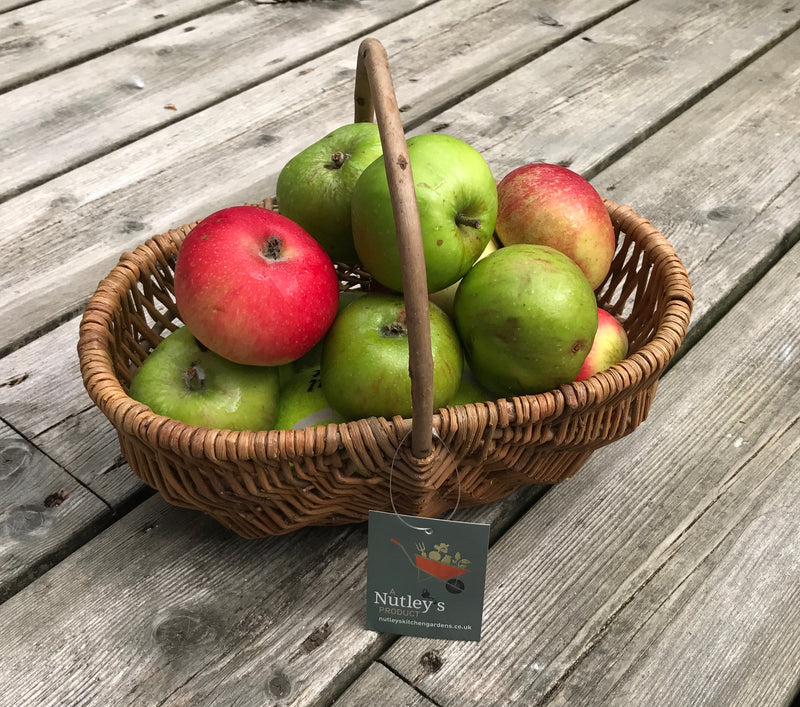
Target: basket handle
{"type": "Point", "coordinates": [374, 91]}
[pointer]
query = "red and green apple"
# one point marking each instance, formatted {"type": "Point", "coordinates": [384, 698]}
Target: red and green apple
{"type": "Point", "coordinates": [546, 204]}
{"type": "Point", "coordinates": [610, 346]}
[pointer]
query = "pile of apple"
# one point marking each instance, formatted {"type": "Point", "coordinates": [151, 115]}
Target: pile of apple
{"type": "Point", "coordinates": [269, 342]}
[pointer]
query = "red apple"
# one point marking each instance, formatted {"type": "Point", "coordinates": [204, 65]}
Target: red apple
{"type": "Point", "coordinates": [254, 287]}
{"type": "Point", "coordinates": [610, 346]}
{"type": "Point", "coordinates": [545, 204]}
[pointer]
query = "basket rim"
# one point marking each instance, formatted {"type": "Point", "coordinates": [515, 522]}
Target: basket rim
{"type": "Point", "coordinates": [132, 417]}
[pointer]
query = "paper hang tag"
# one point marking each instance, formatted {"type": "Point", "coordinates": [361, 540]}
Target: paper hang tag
{"type": "Point", "coordinates": [426, 583]}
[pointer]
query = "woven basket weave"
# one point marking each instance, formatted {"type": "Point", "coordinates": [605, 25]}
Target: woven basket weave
{"type": "Point", "coordinates": [272, 482]}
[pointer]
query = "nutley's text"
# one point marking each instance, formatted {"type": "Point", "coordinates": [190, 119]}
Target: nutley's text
{"type": "Point", "coordinates": [406, 605]}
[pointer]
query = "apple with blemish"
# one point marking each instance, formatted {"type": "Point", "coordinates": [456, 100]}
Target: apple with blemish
{"type": "Point", "coordinates": [526, 316]}
{"type": "Point", "coordinates": [254, 286]}
{"type": "Point", "coordinates": [550, 205]}
{"type": "Point", "coordinates": [610, 346]}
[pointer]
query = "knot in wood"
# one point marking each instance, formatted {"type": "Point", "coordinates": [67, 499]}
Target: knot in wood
{"type": "Point", "coordinates": [431, 661]}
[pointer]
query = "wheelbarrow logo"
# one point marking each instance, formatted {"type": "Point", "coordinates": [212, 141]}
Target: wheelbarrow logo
{"type": "Point", "coordinates": [439, 563]}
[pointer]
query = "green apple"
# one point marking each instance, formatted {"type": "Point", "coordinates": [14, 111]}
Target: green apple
{"type": "Point", "coordinates": [303, 402]}
{"type": "Point", "coordinates": [444, 298]}
{"type": "Point", "coordinates": [365, 358]}
{"type": "Point", "coordinates": [457, 202]}
{"type": "Point", "coordinates": [314, 187]}
{"type": "Point", "coordinates": [184, 380]}
{"type": "Point", "coordinates": [470, 391]}
{"type": "Point", "coordinates": [527, 316]}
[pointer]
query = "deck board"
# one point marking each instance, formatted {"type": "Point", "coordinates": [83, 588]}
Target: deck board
{"type": "Point", "coordinates": [44, 512]}
{"type": "Point", "coordinates": [178, 610]}
{"type": "Point", "coordinates": [668, 570]}
{"type": "Point", "coordinates": [43, 36]}
{"type": "Point", "coordinates": [92, 108]}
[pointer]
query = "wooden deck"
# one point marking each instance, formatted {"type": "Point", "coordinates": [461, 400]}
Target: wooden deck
{"type": "Point", "coordinates": [666, 572]}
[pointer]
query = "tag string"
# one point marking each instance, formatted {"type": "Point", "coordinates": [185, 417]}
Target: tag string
{"type": "Point", "coordinates": [427, 530]}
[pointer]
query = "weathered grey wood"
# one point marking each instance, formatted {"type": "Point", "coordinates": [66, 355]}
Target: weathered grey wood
{"type": "Point", "coordinates": [44, 512]}
{"type": "Point", "coordinates": [46, 35]}
{"type": "Point", "coordinates": [706, 178]}
{"type": "Point", "coordinates": [114, 202]}
{"type": "Point", "coordinates": [615, 84]}
{"type": "Point", "coordinates": [668, 571]}
{"type": "Point", "coordinates": [44, 398]}
{"type": "Point", "coordinates": [51, 125]}
{"type": "Point", "coordinates": [167, 607]}
{"type": "Point", "coordinates": [10, 4]}
{"type": "Point", "coordinates": [379, 686]}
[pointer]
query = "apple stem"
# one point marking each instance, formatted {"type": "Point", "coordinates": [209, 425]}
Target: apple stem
{"type": "Point", "coordinates": [462, 220]}
{"type": "Point", "coordinates": [273, 249]}
{"type": "Point", "coordinates": [194, 378]}
{"type": "Point", "coordinates": [337, 160]}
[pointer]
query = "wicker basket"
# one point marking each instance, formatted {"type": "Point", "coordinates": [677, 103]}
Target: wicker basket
{"type": "Point", "coordinates": [272, 482]}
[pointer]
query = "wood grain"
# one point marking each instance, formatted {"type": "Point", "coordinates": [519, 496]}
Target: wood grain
{"type": "Point", "coordinates": [73, 115]}
{"type": "Point", "coordinates": [44, 512]}
{"type": "Point", "coordinates": [176, 610]}
{"type": "Point", "coordinates": [44, 36]}
{"type": "Point", "coordinates": [44, 398]}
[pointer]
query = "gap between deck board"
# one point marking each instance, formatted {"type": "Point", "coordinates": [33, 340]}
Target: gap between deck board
{"type": "Point", "coordinates": [57, 59]}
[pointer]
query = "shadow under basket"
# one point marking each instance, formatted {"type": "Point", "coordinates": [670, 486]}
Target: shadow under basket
{"type": "Point", "coordinates": [272, 482]}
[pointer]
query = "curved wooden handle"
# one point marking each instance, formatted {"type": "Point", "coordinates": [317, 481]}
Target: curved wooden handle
{"type": "Point", "coordinates": [374, 91]}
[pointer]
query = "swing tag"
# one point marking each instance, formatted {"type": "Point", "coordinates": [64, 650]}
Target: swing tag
{"type": "Point", "coordinates": [426, 576]}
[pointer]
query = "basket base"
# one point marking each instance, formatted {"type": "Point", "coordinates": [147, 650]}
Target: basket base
{"type": "Point", "coordinates": [257, 515]}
